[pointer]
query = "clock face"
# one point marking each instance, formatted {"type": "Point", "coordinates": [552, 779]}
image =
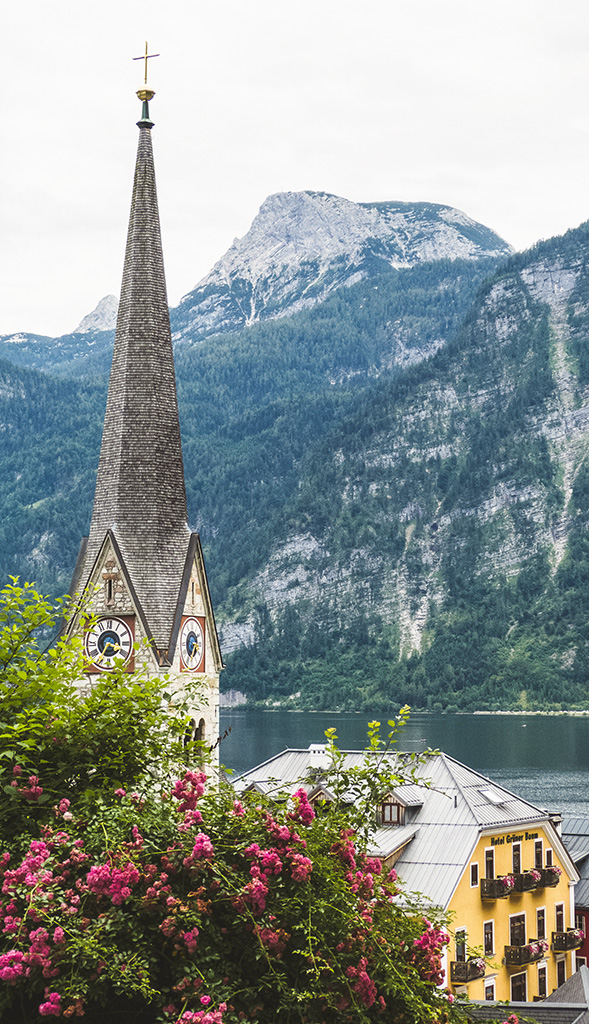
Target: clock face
{"type": "Point", "coordinates": [108, 640]}
{"type": "Point", "coordinates": [192, 644]}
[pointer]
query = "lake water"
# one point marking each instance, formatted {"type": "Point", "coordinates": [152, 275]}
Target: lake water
{"type": "Point", "coordinates": [544, 758]}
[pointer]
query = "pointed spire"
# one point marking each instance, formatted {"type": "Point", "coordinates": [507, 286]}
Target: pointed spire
{"type": "Point", "coordinates": [140, 493]}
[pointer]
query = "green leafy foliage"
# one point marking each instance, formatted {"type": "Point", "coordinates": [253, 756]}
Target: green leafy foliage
{"type": "Point", "coordinates": [81, 739]}
{"type": "Point", "coordinates": [178, 902]}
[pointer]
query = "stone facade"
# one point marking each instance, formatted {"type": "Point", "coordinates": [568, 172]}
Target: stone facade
{"type": "Point", "coordinates": [109, 593]}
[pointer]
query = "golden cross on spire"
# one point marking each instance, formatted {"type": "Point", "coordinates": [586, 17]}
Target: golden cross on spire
{"type": "Point", "coordinates": [146, 56]}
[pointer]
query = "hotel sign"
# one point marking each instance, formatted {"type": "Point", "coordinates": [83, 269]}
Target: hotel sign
{"type": "Point", "coordinates": [514, 837]}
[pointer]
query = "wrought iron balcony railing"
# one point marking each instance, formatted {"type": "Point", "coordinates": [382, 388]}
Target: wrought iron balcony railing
{"type": "Point", "coordinates": [516, 956]}
{"type": "Point", "coordinates": [497, 888]}
{"type": "Point", "coordinates": [550, 876]}
{"type": "Point", "coordinates": [461, 972]}
{"type": "Point", "coordinates": [525, 881]}
{"type": "Point", "coordinates": [571, 939]}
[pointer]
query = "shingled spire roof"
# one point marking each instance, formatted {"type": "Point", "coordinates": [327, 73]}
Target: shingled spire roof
{"type": "Point", "coordinates": [140, 493]}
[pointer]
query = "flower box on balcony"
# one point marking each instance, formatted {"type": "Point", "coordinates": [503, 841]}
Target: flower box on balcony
{"type": "Point", "coordinates": [528, 880]}
{"type": "Point", "coordinates": [571, 939]}
{"type": "Point", "coordinates": [461, 972]}
{"type": "Point", "coordinates": [551, 876]}
{"type": "Point", "coordinates": [497, 888]}
{"type": "Point", "coordinates": [515, 956]}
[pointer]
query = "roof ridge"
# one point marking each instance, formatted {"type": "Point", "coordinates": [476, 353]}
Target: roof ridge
{"type": "Point", "coordinates": [445, 758]}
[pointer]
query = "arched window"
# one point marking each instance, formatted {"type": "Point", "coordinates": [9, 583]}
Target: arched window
{"type": "Point", "coordinates": [189, 735]}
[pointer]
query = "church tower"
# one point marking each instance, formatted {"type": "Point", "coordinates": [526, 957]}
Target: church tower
{"type": "Point", "coordinates": [140, 573]}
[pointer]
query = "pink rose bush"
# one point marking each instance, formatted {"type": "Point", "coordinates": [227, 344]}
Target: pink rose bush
{"type": "Point", "coordinates": [129, 893]}
{"type": "Point", "coordinates": [428, 950]}
{"type": "Point", "coordinates": [200, 909]}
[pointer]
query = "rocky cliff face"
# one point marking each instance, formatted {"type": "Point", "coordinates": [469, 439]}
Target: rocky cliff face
{"type": "Point", "coordinates": [392, 484]}
{"type": "Point", "coordinates": [304, 245]}
{"type": "Point", "coordinates": [464, 484]}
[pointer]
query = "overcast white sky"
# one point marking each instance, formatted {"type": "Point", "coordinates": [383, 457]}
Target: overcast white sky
{"type": "Point", "coordinates": [481, 104]}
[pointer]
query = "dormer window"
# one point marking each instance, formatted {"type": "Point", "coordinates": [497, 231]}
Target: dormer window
{"type": "Point", "coordinates": [393, 813]}
{"type": "Point", "coordinates": [320, 800]}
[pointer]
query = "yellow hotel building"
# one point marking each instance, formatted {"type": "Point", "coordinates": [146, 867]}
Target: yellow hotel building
{"type": "Point", "coordinates": [493, 861]}
{"type": "Point", "coordinates": [520, 923]}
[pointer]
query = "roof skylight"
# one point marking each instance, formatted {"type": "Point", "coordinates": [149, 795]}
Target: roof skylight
{"type": "Point", "coordinates": [493, 796]}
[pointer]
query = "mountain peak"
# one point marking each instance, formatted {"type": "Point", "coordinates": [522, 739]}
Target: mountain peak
{"type": "Point", "coordinates": [102, 318]}
{"type": "Point", "coordinates": [303, 245]}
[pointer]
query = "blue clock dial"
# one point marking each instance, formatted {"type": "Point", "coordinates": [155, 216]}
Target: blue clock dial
{"type": "Point", "coordinates": [192, 644]}
{"type": "Point", "coordinates": [109, 640]}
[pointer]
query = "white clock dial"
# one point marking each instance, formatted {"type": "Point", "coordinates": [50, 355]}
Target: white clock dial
{"type": "Point", "coordinates": [192, 643]}
{"type": "Point", "coordinates": [107, 641]}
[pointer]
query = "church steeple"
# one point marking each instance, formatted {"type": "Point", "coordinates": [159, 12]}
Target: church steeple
{"type": "Point", "coordinates": [141, 571]}
{"type": "Point", "coordinates": [140, 494]}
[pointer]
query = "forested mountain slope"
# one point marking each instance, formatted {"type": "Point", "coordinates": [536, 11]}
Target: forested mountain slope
{"type": "Point", "coordinates": [438, 546]}
{"type": "Point", "coordinates": [49, 441]}
{"type": "Point", "coordinates": [250, 405]}
{"type": "Point", "coordinates": [391, 486]}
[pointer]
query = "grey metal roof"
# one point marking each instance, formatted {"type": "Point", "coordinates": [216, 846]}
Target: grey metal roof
{"type": "Point", "coordinates": [574, 990]}
{"type": "Point", "coordinates": [386, 841]}
{"type": "Point", "coordinates": [576, 825]}
{"type": "Point", "coordinates": [575, 835]}
{"type": "Point", "coordinates": [446, 776]}
{"type": "Point", "coordinates": [410, 795]}
{"type": "Point", "coordinates": [449, 812]}
{"type": "Point", "coordinates": [582, 891]}
{"type": "Point", "coordinates": [544, 1013]}
{"type": "Point", "coordinates": [578, 846]}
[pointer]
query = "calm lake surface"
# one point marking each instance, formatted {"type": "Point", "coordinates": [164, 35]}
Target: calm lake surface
{"type": "Point", "coordinates": [543, 758]}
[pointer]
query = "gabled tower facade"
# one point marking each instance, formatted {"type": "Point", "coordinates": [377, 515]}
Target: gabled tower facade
{"type": "Point", "coordinates": [140, 573]}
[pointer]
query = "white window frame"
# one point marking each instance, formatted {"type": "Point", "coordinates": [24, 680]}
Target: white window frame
{"type": "Point", "coordinates": [564, 916]}
{"type": "Point", "coordinates": [538, 909]}
{"type": "Point", "coordinates": [518, 847]}
{"type": "Point", "coordinates": [548, 857]}
{"type": "Point", "coordinates": [521, 914]}
{"type": "Point", "coordinates": [492, 950]}
{"type": "Point", "coordinates": [463, 929]}
{"type": "Point", "coordinates": [489, 985]}
{"type": "Point", "coordinates": [541, 843]}
{"type": "Point", "coordinates": [543, 965]}
{"type": "Point", "coordinates": [474, 864]}
{"type": "Point", "coordinates": [524, 975]}
{"type": "Point", "coordinates": [399, 818]}
{"type": "Point", "coordinates": [490, 849]}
